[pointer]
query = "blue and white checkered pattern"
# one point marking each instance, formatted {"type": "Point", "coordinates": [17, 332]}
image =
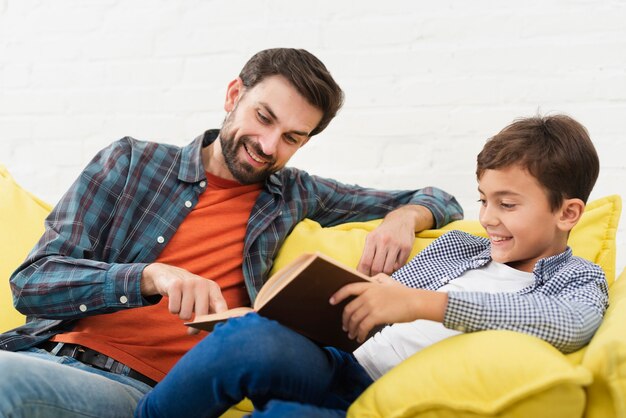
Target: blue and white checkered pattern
{"type": "Point", "coordinates": [564, 306]}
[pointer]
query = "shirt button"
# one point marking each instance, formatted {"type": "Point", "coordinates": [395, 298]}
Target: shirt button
{"type": "Point", "coordinates": [83, 308]}
{"type": "Point", "coordinates": [202, 183]}
{"type": "Point", "coordinates": [160, 240]}
{"type": "Point", "coordinates": [123, 299]}
{"type": "Point", "coordinates": [188, 204]}
{"type": "Point", "coordinates": [461, 328]}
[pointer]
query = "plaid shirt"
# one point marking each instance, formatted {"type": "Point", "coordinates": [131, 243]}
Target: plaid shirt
{"type": "Point", "coordinates": [564, 306]}
{"type": "Point", "coordinates": [127, 204]}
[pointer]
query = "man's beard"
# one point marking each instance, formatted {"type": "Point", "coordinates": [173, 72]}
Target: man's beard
{"type": "Point", "coordinates": [242, 171]}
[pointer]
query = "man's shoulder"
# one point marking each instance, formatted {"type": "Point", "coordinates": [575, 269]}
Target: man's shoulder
{"type": "Point", "coordinates": [131, 149]}
{"type": "Point", "coordinates": [130, 143]}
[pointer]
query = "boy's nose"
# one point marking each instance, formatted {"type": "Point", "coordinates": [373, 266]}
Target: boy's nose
{"type": "Point", "coordinates": [488, 217]}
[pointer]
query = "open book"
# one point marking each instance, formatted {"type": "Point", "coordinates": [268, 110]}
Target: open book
{"type": "Point", "coordinates": [297, 296]}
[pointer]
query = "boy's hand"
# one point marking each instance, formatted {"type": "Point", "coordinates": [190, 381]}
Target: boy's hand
{"type": "Point", "coordinates": [388, 246]}
{"type": "Point", "coordinates": [386, 302]}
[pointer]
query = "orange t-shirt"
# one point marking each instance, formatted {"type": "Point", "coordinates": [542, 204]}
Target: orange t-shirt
{"type": "Point", "coordinates": [208, 243]}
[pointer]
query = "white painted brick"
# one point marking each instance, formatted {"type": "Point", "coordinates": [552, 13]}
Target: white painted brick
{"type": "Point", "coordinates": [426, 82]}
{"type": "Point", "coordinates": [160, 74]}
{"type": "Point", "coordinates": [15, 75]}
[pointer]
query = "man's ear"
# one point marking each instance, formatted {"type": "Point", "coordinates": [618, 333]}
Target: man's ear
{"type": "Point", "coordinates": [233, 93]}
{"type": "Point", "coordinates": [570, 213]}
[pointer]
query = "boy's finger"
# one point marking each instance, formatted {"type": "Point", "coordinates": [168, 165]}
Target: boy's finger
{"type": "Point", "coordinates": [352, 289]}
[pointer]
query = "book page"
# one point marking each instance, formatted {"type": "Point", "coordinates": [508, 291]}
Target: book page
{"type": "Point", "coordinates": [281, 278]}
{"type": "Point", "coordinates": [208, 322]}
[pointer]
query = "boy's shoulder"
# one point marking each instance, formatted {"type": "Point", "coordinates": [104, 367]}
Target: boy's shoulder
{"type": "Point", "coordinates": [462, 238]}
{"type": "Point", "coordinates": [581, 264]}
{"type": "Point", "coordinates": [457, 242]}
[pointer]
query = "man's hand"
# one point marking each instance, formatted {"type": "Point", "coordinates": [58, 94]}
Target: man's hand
{"type": "Point", "coordinates": [388, 246]}
{"type": "Point", "coordinates": [187, 292]}
{"type": "Point", "coordinates": [386, 302]}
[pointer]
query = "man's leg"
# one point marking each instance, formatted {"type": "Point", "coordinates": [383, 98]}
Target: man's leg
{"type": "Point", "coordinates": [256, 358]}
{"type": "Point", "coordinates": [285, 409]}
{"type": "Point", "coordinates": [35, 384]}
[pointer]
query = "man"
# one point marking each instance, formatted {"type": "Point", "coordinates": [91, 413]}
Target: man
{"type": "Point", "coordinates": [199, 225]}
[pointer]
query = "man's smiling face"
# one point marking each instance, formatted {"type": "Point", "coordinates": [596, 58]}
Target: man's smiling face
{"type": "Point", "coordinates": [265, 126]}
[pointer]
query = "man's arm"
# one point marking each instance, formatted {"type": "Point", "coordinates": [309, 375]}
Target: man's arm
{"type": "Point", "coordinates": [405, 212]}
{"type": "Point", "coordinates": [330, 202]}
{"type": "Point", "coordinates": [102, 236]}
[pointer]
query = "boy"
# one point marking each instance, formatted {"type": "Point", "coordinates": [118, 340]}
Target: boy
{"type": "Point", "coordinates": [534, 178]}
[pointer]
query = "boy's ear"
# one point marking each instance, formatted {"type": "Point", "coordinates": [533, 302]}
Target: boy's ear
{"type": "Point", "coordinates": [233, 92]}
{"type": "Point", "coordinates": [570, 213]}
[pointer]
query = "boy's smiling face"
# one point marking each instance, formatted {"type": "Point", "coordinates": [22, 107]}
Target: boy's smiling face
{"type": "Point", "coordinates": [516, 214]}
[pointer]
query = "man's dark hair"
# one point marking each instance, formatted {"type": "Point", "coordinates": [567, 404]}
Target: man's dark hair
{"type": "Point", "coordinates": [304, 71]}
{"type": "Point", "coordinates": [556, 150]}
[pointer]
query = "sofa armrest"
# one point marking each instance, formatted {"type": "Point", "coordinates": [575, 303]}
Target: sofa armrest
{"type": "Point", "coordinates": [605, 357]}
{"type": "Point", "coordinates": [491, 373]}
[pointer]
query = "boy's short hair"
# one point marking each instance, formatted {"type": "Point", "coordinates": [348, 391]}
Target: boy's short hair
{"type": "Point", "coordinates": [556, 150]}
{"type": "Point", "coordinates": [304, 71]}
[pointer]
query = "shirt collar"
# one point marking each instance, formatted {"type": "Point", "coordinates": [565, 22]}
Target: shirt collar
{"type": "Point", "coordinates": [547, 267]}
{"type": "Point", "coordinates": [544, 268]}
{"type": "Point", "coordinates": [192, 169]}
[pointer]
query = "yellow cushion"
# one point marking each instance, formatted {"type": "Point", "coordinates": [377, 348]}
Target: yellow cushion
{"type": "Point", "coordinates": [345, 242]}
{"type": "Point", "coordinates": [606, 358]}
{"type": "Point", "coordinates": [593, 238]}
{"type": "Point", "coordinates": [21, 225]}
{"type": "Point", "coordinates": [489, 373]}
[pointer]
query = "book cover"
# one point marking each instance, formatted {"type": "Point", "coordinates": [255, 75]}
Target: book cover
{"type": "Point", "coordinates": [297, 297]}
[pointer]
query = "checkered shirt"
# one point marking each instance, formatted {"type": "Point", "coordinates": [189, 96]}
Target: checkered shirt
{"type": "Point", "coordinates": [564, 306]}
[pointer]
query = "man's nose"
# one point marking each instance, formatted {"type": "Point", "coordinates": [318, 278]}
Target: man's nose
{"type": "Point", "coordinates": [269, 142]}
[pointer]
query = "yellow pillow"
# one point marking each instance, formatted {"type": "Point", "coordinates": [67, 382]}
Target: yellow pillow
{"type": "Point", "coordinates": [606, 358]}
{"type": "Point", "coordinates": [21, 225]}
{"type": "Point", "coordinates": [593, 238]}
{"type": "Point", "coordinates": [489, 373]}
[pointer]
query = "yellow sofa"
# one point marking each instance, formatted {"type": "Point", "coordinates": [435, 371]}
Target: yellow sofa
{"type": "Point", "coordinates": [483, 374]}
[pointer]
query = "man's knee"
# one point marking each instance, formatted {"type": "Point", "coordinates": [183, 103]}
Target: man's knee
{"type": "Point", "coordinates": [255, 341]}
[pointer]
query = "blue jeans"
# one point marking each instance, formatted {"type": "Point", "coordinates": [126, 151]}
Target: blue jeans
{"type": "Point", "coordinates": [259, 359]}
{"type": "Point", "coordinates": [34, 383]}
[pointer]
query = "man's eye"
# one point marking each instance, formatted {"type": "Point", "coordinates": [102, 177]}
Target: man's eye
{"type": "Point", "coordinates": [291, 140]}
{"type": "Point", "coordinates": [508, 205]}
{"type": "Point", "coordinates": [483, 202]}
{"type": "Point", "coordinates": [262, 118]}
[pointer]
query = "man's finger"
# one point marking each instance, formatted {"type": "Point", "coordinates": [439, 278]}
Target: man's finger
{"type": "Point", "coordinates": [365, 263]}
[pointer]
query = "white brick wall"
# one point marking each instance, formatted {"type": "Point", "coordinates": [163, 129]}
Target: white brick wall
{"type": "Point", "coordinates": [426, 81]}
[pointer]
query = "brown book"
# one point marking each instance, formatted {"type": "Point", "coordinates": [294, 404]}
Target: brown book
{"type": "Point", "coordinates": [297, 296]}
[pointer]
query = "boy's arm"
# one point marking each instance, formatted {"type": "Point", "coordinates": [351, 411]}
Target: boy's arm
{"type": "Point", "coordinates": [567, 320]}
